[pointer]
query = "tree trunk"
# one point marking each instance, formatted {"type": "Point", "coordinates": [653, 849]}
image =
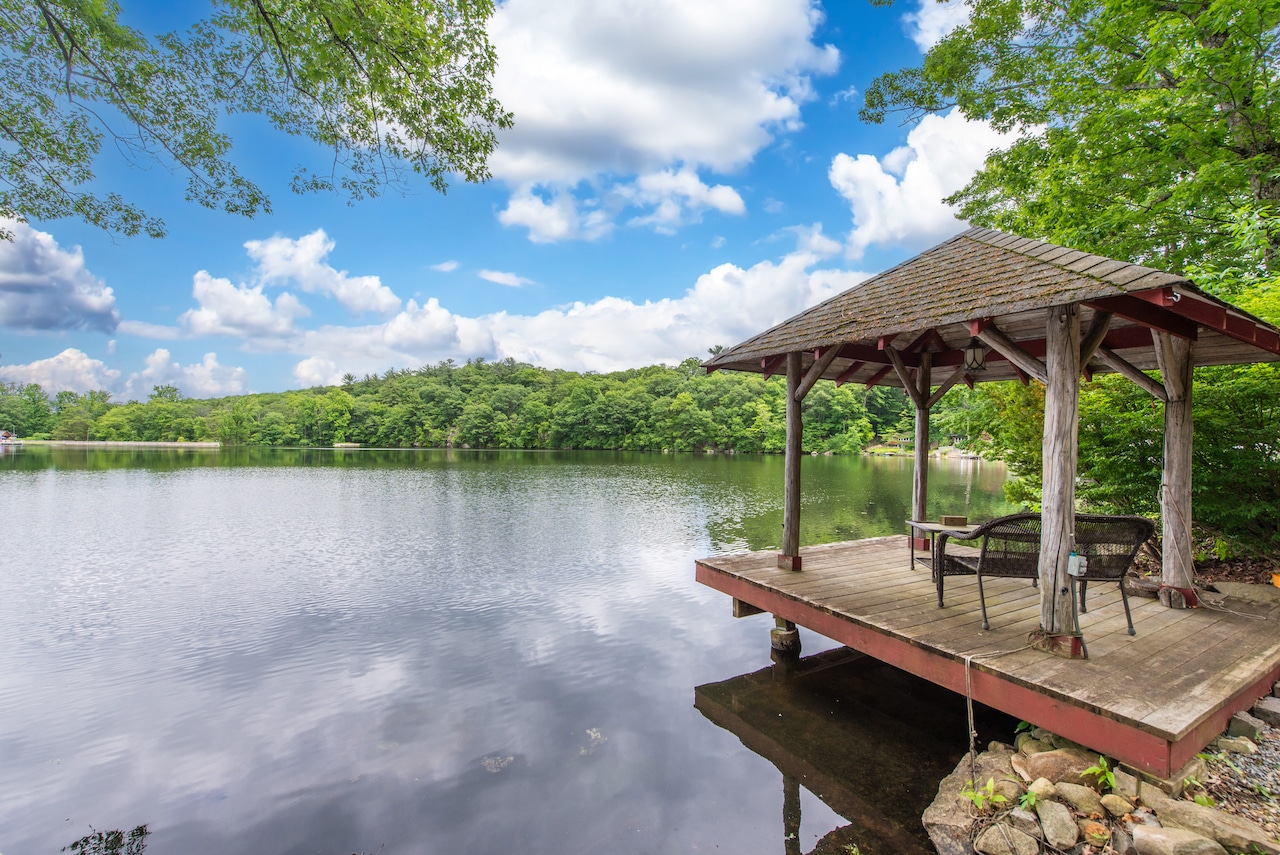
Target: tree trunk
{"type": "Point", "coordinates": [1061, 411]}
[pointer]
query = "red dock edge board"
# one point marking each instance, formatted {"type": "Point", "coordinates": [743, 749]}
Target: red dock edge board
{"type": "Point", "coordinates": [1128, 744]}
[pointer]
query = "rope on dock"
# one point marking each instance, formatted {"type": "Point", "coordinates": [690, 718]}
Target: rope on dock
{"type": "Point", "coordinates": [968, 700]}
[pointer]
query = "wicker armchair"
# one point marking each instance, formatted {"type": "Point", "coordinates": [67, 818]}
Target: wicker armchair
{"type": "Point", "coordinates": [1010, 548]}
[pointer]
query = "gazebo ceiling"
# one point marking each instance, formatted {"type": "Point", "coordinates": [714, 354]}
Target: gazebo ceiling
{"type": "Point", "coordinates": [1002, 285]}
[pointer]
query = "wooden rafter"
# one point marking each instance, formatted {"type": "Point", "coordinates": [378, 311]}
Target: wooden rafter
{"type": "Point", "coordinates": [878, 376]}
{"type": "Point", "coordinates": [847, 374]}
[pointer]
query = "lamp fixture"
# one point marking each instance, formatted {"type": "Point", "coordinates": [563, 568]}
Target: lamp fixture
{"type": "Point", "coordinates": [975, 356]}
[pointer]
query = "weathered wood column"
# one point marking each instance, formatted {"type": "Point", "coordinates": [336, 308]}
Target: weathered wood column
{"type": "Point", "coordinates": [1057, 537]}
{"type": "Point", "coordinates": [920, 477]}
{"type": "Point", "coordinates": [790, 556]}
{"type": "Point", "coordinates": [1174, 356]}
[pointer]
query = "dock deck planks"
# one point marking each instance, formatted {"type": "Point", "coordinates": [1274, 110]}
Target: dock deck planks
{"type": "Point", "coordinates": [1152, 700]}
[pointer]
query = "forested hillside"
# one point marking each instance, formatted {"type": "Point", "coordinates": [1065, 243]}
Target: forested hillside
{"type": "Point", "coordinates": [483, 405]}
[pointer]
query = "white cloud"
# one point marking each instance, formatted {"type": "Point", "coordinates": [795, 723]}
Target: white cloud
{"type": "Point", "coordinates": [282, 259]}
{"type": "Point", "coordinates": [142, 329]}
{"type": "Point", "coordinates": [204, 379]}
{"type": "Point", "coordinates": [934, 19]}
{"type": "Point", "coordinates": [724, 306]}
{"type": "Point", "coordinates": [45, 287]}
{"type": "Point", "coordinates": [445, 266]}
{"type": "Point", "coordinates": [555, 218]}
{"type": "Point", "coordinates": [239, 310]}
{"type": "Point", "coordinates": [680, 197]}
{"type": "Point", "coordinates": [72, 369]}
{"type": "Point", "coordinates": [498, 277]}
{"type": "Point", "coordinates": [316, 372]}
{"type": "Point", "coordinates": [602, 92]}
{"type": "Point", "coordinates": [845, 95]}
{"type": "Point", "coordinates": [897, 199]}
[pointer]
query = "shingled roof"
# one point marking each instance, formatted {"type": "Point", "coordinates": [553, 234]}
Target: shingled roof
{"type": "Point", "coordinates": [991, 277]}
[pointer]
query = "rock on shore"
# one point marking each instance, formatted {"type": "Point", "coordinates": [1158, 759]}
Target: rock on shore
{"type": "Point", "coordinates": [1043, 799]}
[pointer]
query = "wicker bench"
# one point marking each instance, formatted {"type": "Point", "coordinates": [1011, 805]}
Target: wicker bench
{"type": "Point", "coordinates": [1010, 548]}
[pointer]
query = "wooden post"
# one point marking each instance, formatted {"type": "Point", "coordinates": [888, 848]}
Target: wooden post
{"type": "Point", "coordinates": [1058, 502]}
{"type": "Point", "coordinates": [1178, 571]}
{"type": "Point", "coordinates": [789, 559]}
{"type": "Point", "coordinates": [920, 479]}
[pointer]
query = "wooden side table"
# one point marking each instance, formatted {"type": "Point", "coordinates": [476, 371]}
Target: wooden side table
{"type": "Point", "coordinates": [932, 528]}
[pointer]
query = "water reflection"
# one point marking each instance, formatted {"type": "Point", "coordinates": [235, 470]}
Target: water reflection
{"type": "Point", "coordinates": [111, 842]}
{"type": "Point", "coordinates": [870, 741]}
{"type": "Point", "coordinates": [303, 651]}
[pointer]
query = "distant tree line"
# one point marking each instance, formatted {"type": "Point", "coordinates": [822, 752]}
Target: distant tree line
{"type": "Point", "coordinates": [483, 404]}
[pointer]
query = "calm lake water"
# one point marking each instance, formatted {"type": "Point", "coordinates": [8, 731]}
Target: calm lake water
{"type": "Point", "coordinates": [441, 652]}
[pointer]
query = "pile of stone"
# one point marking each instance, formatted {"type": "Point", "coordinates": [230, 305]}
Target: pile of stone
{"type": "Point", "coordinates": [1050, 802]}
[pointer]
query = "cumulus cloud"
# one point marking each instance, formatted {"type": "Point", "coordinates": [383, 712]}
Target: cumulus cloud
{"type": "Point", "coordinates": [608, 91]}
{"type": "Point", "coordinates": [897, 199]}
{"type": "Point", "coordinates": [316, 372]}
{"type": "Point", "coordinates": [555, 216]}
{"type": "Point", "coordinates": [445, 266]}
{"type": "Point", "coordinates": [679, 197]}
{"type": "Point", "coordinates": [46, 287]}
{"type": "Point", "coordinates": [511, 280]}
{"type": "Point", "coordinates": [204, 379]}
{"type": "Point", "coordinates": [302, 261]}
{"type": "Point", "coordinates": [724, 306]}
{"type": "Point", "coordinates": [239, 310]}
{"type": "Point", "coordinates": [934, 19]}
{"type": "Point", "coordinates": [72, 369]}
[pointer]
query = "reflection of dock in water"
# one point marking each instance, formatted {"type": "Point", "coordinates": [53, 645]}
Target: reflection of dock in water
{"type": "Point", "coordinates": [870, 741]}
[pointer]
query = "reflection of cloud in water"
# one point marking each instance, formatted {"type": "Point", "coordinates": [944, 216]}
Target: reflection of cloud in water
{"type": "Point", "coordinates": [272, 659]}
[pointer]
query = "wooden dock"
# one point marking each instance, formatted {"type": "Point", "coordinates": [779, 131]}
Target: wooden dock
{"type": "Point", "coordinates": [1152, 700]}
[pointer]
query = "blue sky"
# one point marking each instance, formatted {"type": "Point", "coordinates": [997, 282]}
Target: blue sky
{"type": "Point", "coordinates": [679, 175]}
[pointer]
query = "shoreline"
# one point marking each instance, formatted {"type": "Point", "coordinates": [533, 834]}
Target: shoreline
{"type": "Point", "coordinates": [121, 443]}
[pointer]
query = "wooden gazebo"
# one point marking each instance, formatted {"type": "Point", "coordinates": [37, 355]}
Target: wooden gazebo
{"type": "Point", "coordinates": [1024, 310]}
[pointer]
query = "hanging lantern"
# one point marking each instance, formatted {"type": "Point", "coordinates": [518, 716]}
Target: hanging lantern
{"type": "Point", "coordinates": [975, 356]}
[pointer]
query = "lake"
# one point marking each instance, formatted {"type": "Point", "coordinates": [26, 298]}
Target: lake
{"type": "Point", "coordinates": [314, 651]}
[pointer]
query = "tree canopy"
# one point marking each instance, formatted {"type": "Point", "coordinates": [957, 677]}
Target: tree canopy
{"type": "Point", "coordinates": [390, 87]}
{"type": "Point", "coordinates": [1149, 126]}
{"type": "Point", "coordinates": [1148, 133]}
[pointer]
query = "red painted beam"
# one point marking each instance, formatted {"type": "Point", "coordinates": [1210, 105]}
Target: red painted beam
{"type": "Point", "coordinates": [1148, 314]}
{"type": "Point", "coordinates": [1211, 315]}
{"type": "Point", "coordinates": [848, 373]}
{"type": "Point", "coordinates": [1126, 743]}
{"type": "Point", "coordinates": [978, 325]}
{"type": "Point", "coordinates": [770, 364]}
{"type": "Point", "coordinates": [878, 376]}
{"type": "Point", "coordinates": [1185, 748]}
